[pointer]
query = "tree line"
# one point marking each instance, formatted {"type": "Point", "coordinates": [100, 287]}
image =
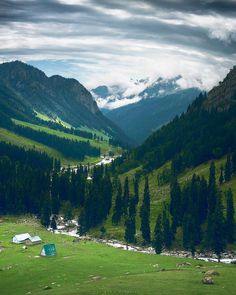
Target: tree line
{"type": "Point", "coordinates": [69, 148]}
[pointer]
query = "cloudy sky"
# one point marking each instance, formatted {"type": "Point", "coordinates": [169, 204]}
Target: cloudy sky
{"type": "Point", "coordinates": [111, 41]}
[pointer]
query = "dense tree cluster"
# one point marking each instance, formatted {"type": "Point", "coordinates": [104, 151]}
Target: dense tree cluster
{"type": "Point", "coordinates": [31, 182]}
{"type": "Point", "coordinates": [198, 205]}
{"type": "Point", "coordinates": [69, 148]}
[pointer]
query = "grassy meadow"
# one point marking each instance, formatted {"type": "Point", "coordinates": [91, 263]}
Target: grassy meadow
{"type": "Point", "coordinates": [92, 268]}
{"type": "Point", "coordinates": [15, 139]}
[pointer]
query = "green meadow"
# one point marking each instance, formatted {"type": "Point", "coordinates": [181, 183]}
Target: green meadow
{"type": "Point", "coordinates": [92, 268]}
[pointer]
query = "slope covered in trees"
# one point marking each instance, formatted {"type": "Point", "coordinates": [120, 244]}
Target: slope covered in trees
{"type": "Point", "coordinates": [205, 132]}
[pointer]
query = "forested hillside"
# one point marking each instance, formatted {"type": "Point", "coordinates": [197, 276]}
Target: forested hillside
{"type": "Point", "coordinates": [205, 132]}
{"type": "Point", "coordinates": [26, 92]}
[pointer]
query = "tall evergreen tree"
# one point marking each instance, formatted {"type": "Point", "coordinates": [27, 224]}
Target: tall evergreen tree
{"type": "Point", "coordinates": [158, 236]}
{"type": "Point", "coordinates": [118, 210]}
{"type": "Point", "coordinates": [130, 229]}
{"type": "Point", "coordinates": [228, 168]}
{"type": "Point", "coordinates": [46, 212]}
{"type": "Point", "coordinates": [175, 203]}
{"type": "Point", "coordinates": [230, 223]}
{"type": "Point", "coordinates": [221, 178]}
{"type": "Point", "coordinates": [212, 188]}
{"type": "Point", "coordinates": [218, 229]}
{"type": "Point", "coordinates": [167, 234]}
{"type": "Point", "coordinates": [82, 223]}
{"type": "Point", "coordinates": [136, 189]}
{"type": "Point", "coordinates": [126, 196]}
{"type": "Point", "coordinates": [145, 214]}
{"type": "Point", "coordinates": [53, 223]}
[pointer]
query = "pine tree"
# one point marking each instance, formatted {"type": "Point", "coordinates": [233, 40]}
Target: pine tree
{"type": "Point", "coordinates": [175, 203]}
{"type": "Point", "coordinates": [230, 223]}
{"type": "Point", "coordinates": [117, 211]}
{"type": "Point", "coordinates": [53, 223]}
{"type": "Point", "coordinates": [126, 196]}
{"type": "Point", "coordinates": [145, 214]}
{"type": "Point", "coordinates": [187, 231]}
{"type": "Point", "coordinates": [158, 236]}
{"type": "Point", "coordinates": [221, 178]}
{"type": "Point", "coordinates": [218, 229]}
{"type": "Point", "coordinates": [167, 235]}
{"type": "Point", "coordinates": [212, 189]}
{"type": "Point", "coordinates": [136, 190]}
{"type": "Point", "coordinates": [46, 212]}
{"type": "Point", "coordinates": [228, 168]}
{"type": "Point", "coordinates": [130, 229]}
{"type": "Point", "coordinates": [82, 223]}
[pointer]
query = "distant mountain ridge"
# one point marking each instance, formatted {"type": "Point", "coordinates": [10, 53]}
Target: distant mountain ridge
{"type": "Point", "coordinates": [25, 90]}
{"type": "Point", "coordinates": [156, 105]}
{"type": "Point", "coordinates": [115, 96]}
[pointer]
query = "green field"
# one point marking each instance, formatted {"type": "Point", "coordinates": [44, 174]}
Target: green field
{"type": "Point", "coordinates": [15, 139]}
{"type": "Point", "coordinates": [104, 146]}
{"type": "Point", "coordinates": [91, 268]}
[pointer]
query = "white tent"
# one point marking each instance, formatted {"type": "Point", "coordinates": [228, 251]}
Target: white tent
{"type": "Point", "coordinates": [19, 239]}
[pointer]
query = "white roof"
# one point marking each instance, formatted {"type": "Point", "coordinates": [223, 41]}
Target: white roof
{"type": "Point", "coordinates": [22, 237]}
{"type": "Point", "coordinates": [35, 239]}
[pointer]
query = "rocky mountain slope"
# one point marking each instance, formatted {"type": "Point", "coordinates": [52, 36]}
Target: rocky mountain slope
{"type": "Point", "coordinates": [25, 90]}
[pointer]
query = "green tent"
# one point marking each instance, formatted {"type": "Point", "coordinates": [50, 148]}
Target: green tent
{"type": "Point", "coordinates": [48, 250]}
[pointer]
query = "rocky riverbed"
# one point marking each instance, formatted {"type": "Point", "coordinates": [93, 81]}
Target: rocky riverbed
{"type": "Point", "coordinates": [70, 229]}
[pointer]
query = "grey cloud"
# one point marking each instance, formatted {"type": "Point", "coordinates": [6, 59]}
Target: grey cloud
{"type": "Point", "coordinates": [93, 19]}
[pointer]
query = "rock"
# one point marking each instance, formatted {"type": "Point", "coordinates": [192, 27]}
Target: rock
{"type": "Point", "coordinates": [212, 272]}
{"type": "Point", "coordinates": [47, 288]}
{"type": "Point", "coordinates": [96, 278]}
{"type": "Point", "coordinates": [207, 281]}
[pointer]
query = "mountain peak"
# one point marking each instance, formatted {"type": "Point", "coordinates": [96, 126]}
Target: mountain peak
{"type": "Point", "coordinates": [221, 97]}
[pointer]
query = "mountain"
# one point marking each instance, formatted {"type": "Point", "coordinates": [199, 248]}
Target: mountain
{"type": "Point", "coordinates": [157, 103]}
{"type": "Point", "coordinates": [140, 119]}
{"type": "Point", "coordinates": [26, 91]}
{"type": "Point", "coordinates": [116, 96]}
{"type": "Point", "coordinates": [205, 132]}
{"type": "Point", "coordinates": [223, 96]}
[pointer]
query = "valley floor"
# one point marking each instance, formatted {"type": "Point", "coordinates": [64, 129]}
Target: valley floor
{"type": "Point", "coordinates": [86, 267]}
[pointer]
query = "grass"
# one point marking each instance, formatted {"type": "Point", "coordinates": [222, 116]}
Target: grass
{"type": "Point", "coordinates": [91, 268]}
{"type": "Point", "coordinates": [103, 145]}
{"type": "Point", "coordinates": [56, 119]}
{"type": "Point", "coordinates": [15, 139]}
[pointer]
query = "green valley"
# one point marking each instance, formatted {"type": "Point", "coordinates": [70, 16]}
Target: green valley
{"type": "Point", "coordinates": [91, 268]}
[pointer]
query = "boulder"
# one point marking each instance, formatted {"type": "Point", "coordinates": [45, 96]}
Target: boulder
{"type": "Point", "coordinates": [212, 272]}
{"type": "Point", "coordinates": [207, 281]}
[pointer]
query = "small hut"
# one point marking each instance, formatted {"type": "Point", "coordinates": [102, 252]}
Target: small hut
{"type": "Point", "coordinates": [20, 239]}
{"type": "Point", "coordinates": [33, 240]}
